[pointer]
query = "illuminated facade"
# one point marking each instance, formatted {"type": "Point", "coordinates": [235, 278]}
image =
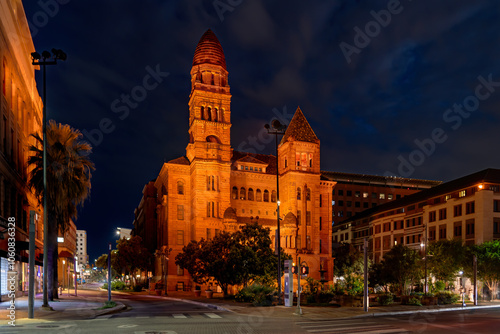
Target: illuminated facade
{"type": "Point", "coordinates": [467, 209]}
{"type": "Point", "coordinates": [20, 116]}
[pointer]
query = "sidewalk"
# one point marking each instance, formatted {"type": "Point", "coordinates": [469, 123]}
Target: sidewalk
{"type": "Point", "coordinates": [66, 307]}
{"type": "Point", "coordinates": [313, 312]}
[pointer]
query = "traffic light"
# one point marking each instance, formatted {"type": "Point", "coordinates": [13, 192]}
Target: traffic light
{"type": "Point", "coordinates": [304, 270]}
{"type": "Point", "coordinates": [294, 270]}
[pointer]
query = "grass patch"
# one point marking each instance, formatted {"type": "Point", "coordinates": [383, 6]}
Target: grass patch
{"type": "Point", "coordinates": [107, 304]}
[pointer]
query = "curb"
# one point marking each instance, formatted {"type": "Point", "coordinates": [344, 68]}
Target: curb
{"type": "Point", "coordinates": [449, 309]}
{"type": "Point", "coordinates": [119, 307]}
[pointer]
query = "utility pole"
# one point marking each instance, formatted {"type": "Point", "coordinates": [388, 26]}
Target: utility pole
{"type": "Point", "coordinates": [109, 271]}
{"type": "Point", "coordinates": [365, 276]}
{"type": "Point", "coordinates": [31, 287]}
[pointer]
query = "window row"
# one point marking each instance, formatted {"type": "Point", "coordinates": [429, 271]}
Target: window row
{"type": "Point", "coordinates": [294, 242]}
{"type": "Point", "coordinates": [299, 194]}
{"type": "Point", "coordinates": [470, 208]}
{"type": "Point", "coordinates": [250, 195]}
{"type": "Point", "coordinates": [358, 194]}
{"type": "Point", "coordinates": [210, 114]}
{"type": "Point", "coordinates": [212, 183]}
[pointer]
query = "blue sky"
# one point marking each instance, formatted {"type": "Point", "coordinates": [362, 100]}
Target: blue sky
{"type": "Point", "coordinates": [390, 101]}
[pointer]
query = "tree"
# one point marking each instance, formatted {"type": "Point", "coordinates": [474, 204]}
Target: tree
{"type": "Point", "coordinates": [69, 171]}
{"type": "Point", "coordinates": [348, 260]}
{"type": "Point", "coordinates": [402, 266]}
{"type": "Point", "coordinates": [231, 259]}
{"type": "Point", "coordinates": [488, 264]}
{"type": "Point", "coordinates": [131, 255]}
{"type": "Point", "coordinates": [445, 258]}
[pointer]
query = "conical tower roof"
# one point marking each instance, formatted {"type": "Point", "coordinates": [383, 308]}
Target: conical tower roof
{"type": "Point", "coordinates": [299, 129]}
{"type": "Point", "coordinates": [209, 51]}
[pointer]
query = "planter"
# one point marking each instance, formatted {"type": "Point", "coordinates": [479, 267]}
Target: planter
{"type": "Point", "coordinates": [209, 293]}
{"type": "Point", "coordinates": [197, 293]}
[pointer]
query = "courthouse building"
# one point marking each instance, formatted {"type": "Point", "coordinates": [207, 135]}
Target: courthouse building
{"type": "Point", "coordinates": [215, 188]}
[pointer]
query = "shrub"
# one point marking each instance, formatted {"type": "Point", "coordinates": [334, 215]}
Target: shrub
{"type": "Point", "coordinates": [439, 286]}
{"type": "Point", "coordinates": [385, 299]}
{"type": "Point", "coordinates": [137, 288]}
{"type": "Point", "coordinates": [258, 295]}
{"type": "Point", "coordinates": [446, 297]}
{"type": "Point", "coordinates": [104, 286]}
{"type": "Point", "coordinates": [117, 285]}
{"type": "Point", "coordinates": [414, 301]}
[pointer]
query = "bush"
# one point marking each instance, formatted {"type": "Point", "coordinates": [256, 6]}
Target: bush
{"type": "Point", "coordinates": [104, 286]}
{"type": "Point", "coordinates": [447, 298]}
{"type": "Point", "coordinates": [117, 285]}
{"type": "Point", "coordinates": [258, 295]}
{"type": "Point", "coordinates": [385, 299]}
{"type": "Point", "coordinates": [439, 286]}
{"type": "Point", "coordinates": [137, 288]}
{"type": "Point", "coordinates": [414, 301]}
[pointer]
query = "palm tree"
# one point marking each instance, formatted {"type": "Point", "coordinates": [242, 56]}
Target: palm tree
{"type": "Point", "coordinates": [69, 171]}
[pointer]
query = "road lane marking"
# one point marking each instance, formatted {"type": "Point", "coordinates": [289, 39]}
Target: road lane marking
{"type": "Point", "coordinates": [213, 315]}
{"type": "Point", "coordinates": [179, 316]}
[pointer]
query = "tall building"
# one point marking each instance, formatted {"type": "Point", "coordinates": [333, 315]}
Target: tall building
{"type": "Point", "coordinates": [145, 221]}
{"type": "Point", "coordinates": [215, 188]}
{"type": "Point", "coordinates": [467, 209]}
{"type": "Point", "coordinates": [81, 250]}
{"type": "Point", "coordinates": [20, 116]}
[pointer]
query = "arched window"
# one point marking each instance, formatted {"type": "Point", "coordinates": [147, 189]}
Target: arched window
{"type": "Point", "coordinates": [202, 112]}
{"type": "Point", "coordinates": [180, 187]}
{"type": "Point", "coordinates": [299, 193]}
{"type": "Point", "coordinates": [286, 163]}
{"type": "Point", "coordinates": [308, 194]}
{"type": "Point", "coordinates": [266, 195]}
{"type": "Point", "coordinates": [258, 195]}
{"type": "Point", "coordinates": [250, 194]}
{"type": "Point", "coordinates": [243, 193]}
{"type": "Point", "coordinates": [234, 193]}
{"type": "Point", "coordinates": [215, 115]}
{"type": "Point", "coordinates": [273, 196]}
{"type": "Point", "coordinates": [209, 113]}
{"type": "Point", "coordinates": [286, 241]}
{"type": "Point", "coordinates": [212, 139]}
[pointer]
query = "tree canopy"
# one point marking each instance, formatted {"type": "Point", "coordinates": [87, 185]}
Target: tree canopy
{"type": "Point", "coordinates": [445, 258]}
{"type": "Point", "coordinates": [401, 267]}
{"type": "Point", "coordinates": [231, 258]}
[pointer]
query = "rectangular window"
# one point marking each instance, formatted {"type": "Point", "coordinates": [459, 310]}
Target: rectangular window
{"type": "Point", "coordinates": [349, 193]}
{"type": "Point", "coordinates": [462, 193]}
{"type": "Point", "coordinates": [208, 209]}
{"type": "Point", "coordinates": [496, 228]}
{"type": "Point", "coordinates": [442, 231]}
{"type": "Point", "coordinates": [387, 227]}
{"type": "Point", "coordinates": [341, 192]}
{"type": "Point", "coordinates": [209, 234]}
{"type": "Point", "coordinates": [432, 216]}
{"type": "Point", "coordinates": [180, 212]}
{"type": "Point", "coordinates": [357, 194]}
{"type": "Point", "coordinates": [308, 218]}
{"type": "Point", "coordinates": [349, 204]}
{"type": "Point", "coordinates": [180, 271]}
{"type": "Point", "coordinates": [496, 205]}
{"type": "Point", "coordinates": [365, 195]}
{"type": "Point", "coordinates": [320, 223]}
{"type": "Point", "coordinates": [299, 217]}
{"type": "Point", "coordinates": [299, 242]}
{"type": "Point", "coordinates": [374, 195]}
{"type": "Point", "coordinates": [180, 237]}
{"type": "Point", "coordinates": [469, 229]}
{"type": "Point", "coordinates": [357, 204]}
{"type": "Point", "coordinates": [320, 200]}
{"type": "Point", "coordinates": [457, 229]}
{"type": "Point", "coordinates": [377, 229]}
{"type": "Point", "coordinates": [457, 210]}
{"type": "Point", "coordinates": [381, 196]}
{"type": "Point", "coordinates": [442, 214]}
{"type": "Point", "coordinates": [432, 233]}
{"type": "Point", "coordinates": [469, 208]}
{"type": "Point", "coordinates": [308, 238]}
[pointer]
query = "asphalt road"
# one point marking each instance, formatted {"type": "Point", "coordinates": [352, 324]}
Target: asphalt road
{"type": "Point", "coordinates": [151, 314]}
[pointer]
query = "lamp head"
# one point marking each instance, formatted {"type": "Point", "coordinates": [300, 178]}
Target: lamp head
{"type": "Point", "coordinates": [46, 54]}
{"type": "Point", "coordinates": [59, 54]}
{"type": "Point", "coordinates": [35, 56]}
{"type": "Point", "coordinates": [276, 124]}
{"type": "Point", "coordinates": [267, 126]}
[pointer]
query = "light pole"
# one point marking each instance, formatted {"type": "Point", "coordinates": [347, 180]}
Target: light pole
{"type": "Point", "coordinates": [45, 59]}
{"type": "Point", "coordinates": [462, 287]}
{"type": "Point", "coordinates": [279, 129]}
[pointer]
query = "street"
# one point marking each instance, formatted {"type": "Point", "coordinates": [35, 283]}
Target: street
{"type": "Point", "coordinates": [153, 314]}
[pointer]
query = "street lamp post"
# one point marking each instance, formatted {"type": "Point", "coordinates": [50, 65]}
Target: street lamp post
{"type": "Point", "coordinates": [45, 59]}
{"type": "Point", "coordinates": [279, 129]}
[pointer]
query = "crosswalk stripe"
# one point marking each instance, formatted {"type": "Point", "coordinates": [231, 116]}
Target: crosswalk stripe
{"type": "Point", "coordinates": [179, 316]}
{"type": "Point", "coordinates": [213, 315]}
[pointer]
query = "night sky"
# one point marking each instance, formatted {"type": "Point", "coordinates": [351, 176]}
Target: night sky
{"type": "Point", "coordinates": [380, 82]}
